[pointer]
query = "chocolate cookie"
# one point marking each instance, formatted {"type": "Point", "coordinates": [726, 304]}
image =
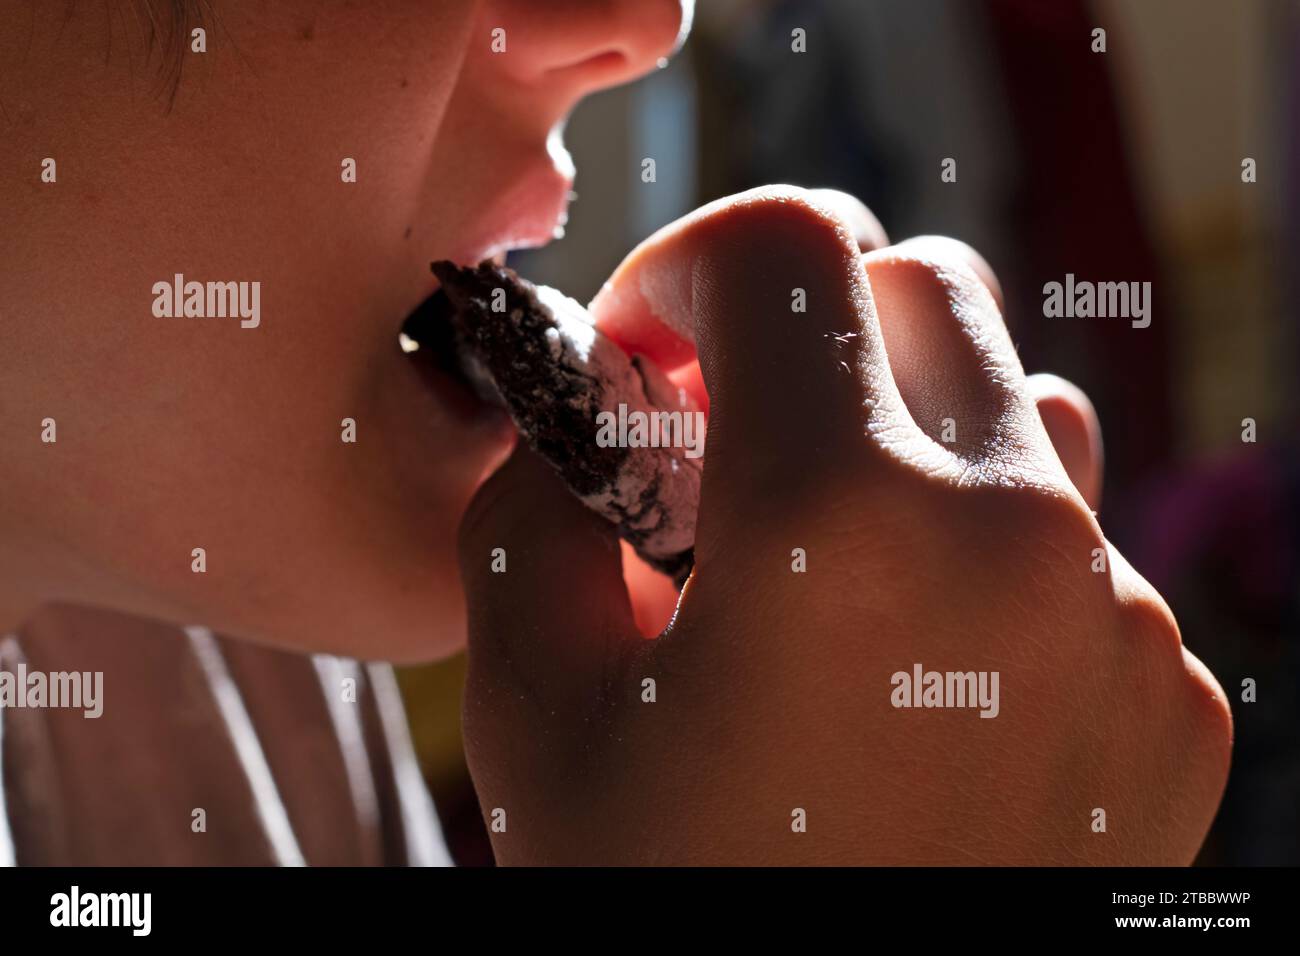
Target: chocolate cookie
{"type": "Point", "coordinates": [621, 435]}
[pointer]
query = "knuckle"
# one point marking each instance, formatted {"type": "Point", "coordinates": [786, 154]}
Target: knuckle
{"type": "Point", "coordinates": [945, 249]}
{"type": "Point", "coordinates": [1209, 702]}
{"type": "Point", "coordinates": [1155, 631]}
{"type": "Point", "coordinates": [1150, 620]}
{"type": "Point", "coordinates": [1214, 722]}
{"type": "Point", "coordinates": [931, 267]}
{"type": "Point", "coordinates": [1024, 510]}
{"type": "Point", "coordinates": [1142, 614]}
{"type": "Point", "coordinates": [774, 218]}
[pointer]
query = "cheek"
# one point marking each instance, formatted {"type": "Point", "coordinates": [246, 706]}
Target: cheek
{"type": "Point", "coordinates": [313, 141]}
{"type": "Point", "coordinates": [238, 447]}
{"type": "Point", "coordinates": [177, 434]}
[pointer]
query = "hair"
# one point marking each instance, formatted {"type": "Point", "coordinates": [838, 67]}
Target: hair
{"type": "Point", "coordinates": [167, 25]}
{"type": "Point", "coordinates": [163, 27]}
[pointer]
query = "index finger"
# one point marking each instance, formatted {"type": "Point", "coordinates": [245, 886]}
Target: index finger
{"type": "Point", "coordinates": [638, 310]}
{"type": "Point", "coordinates": [771, 286]}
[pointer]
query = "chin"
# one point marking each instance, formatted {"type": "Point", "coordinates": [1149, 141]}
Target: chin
{"type": "Point", "coordinates": [400, 626]}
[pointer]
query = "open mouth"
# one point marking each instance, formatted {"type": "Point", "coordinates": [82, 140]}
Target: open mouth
{"type": "Point", "coordinates": [501, 341]}
{"type": "Point", "coordinates": [526, 214]}
{"type": "Point", "coordinates": [429, 339]}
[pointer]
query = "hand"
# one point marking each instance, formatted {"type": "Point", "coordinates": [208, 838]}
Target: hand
{"type": "Point", "coordinates": [775, 733]}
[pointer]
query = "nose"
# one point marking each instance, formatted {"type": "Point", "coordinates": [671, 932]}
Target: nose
{"type": "Point", "coordinates": [584, 45]}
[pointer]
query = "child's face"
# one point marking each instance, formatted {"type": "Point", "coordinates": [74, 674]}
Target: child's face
{"type": "Point", "coordinates": [182, 433]}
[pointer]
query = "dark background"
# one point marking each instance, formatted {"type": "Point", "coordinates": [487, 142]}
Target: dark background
{"type": "Point", "coordinates": [1116, 166]}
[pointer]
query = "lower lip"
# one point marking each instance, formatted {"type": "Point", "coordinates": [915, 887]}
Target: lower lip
{"type": "Point", "coordinates": [454, 395]}
{"type": "Point", "coordinates": [446, 425]}
{"type": "Point", "coordinates": [526, 215]}
{"type": "Point", "coordinates": [432, 361]}
{"type": "Point", "coordinates": [535, 207]}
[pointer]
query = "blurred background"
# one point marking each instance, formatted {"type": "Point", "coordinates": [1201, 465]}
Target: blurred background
{"type": "Point", "coordinates": [1125, 165]}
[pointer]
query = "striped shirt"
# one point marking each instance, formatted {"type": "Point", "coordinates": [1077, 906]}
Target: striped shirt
{"type": "Point", "coordinates": [208, 751]}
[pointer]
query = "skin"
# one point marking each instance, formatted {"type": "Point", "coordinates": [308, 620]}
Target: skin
{"type": "Point", "coordinates": [176, 434]}
{"type": "Point", "coordinates": [975, 555]}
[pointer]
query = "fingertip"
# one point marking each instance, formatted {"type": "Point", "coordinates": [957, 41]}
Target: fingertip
{"type": "Point", "coordinates": [862, 222]}
{"type": "Point", "coordinates": [1072, 425]}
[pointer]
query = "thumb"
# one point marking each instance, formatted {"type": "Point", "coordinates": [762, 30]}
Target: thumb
{"type": "Point", "coordinates": [548, 611]}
